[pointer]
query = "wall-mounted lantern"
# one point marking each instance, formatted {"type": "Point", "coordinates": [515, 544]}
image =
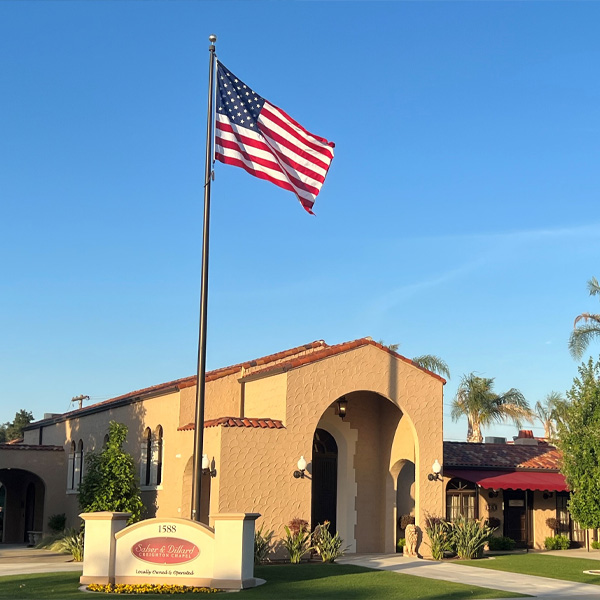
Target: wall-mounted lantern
{"type": "Point", "coordinates": [342, 406]}
{"type": "Point", "coordinates": [436, 469]}
{"type": "Point", "coordinates": [206, 470]}
{"type": "Point", "coordinates": [299, 474]}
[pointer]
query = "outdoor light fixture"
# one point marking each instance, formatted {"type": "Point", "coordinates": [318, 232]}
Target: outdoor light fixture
{"type": "Point", "coordinates": [547, 495]}
{"type": "Point", "coordinates": [342, 406]}
{"type": "Point", "coordinates": [436, 470]}
{"type": "Point", "coordinates": [493, 494]}
{"type": "Point", "coordinates": [299, 474]}
{"type": "Point", "coordinates": [206, 470]}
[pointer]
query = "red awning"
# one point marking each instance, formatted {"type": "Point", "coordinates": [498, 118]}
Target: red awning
{"type": "Point", "coordinates": [512, 480]}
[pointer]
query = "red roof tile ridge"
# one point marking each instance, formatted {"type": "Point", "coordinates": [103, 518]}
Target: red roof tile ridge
{"type": "Point", "coordinates": [327, 351]}
{"type": "Point", "coordinates": [189, 381]}
{"type": "Point", "coordinates": [251, 422]}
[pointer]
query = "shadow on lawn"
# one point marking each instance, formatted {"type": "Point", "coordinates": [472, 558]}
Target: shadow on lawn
{"type": "Point", "coordinates": [350, 582]}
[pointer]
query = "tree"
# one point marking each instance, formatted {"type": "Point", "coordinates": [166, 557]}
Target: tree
{"type": "Point", "coordinates": [433, 363]}
{"type": "Point", "coordinates": [550, 412]}
{"type": "Point", "coordinates": [110, 482]}
{"type": "Point", "coordinates": [428, 361]}
{"type": "Point", "coordinates": [586, 326]}
{"type": "Point", "coordinates": [14, 431]}
{"type": "Point", "coordinates": [579, 441]}
{"type": "Point", "coordinates": [476, 400]}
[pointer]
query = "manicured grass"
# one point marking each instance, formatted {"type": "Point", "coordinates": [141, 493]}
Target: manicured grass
{"type": "Point", "coordinates": [543, 565]}
{"type": "Point", "coordinates": [349, 582]}
{"type": "Point", "coordinates": [284, 582]}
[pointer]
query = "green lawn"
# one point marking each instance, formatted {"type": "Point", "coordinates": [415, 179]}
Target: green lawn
{"type": "Point", "coordinates": [284, 582]}
{"type": "Point", "coordinates": [543, 565]}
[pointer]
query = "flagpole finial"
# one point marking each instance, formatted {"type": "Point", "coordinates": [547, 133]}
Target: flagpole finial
{"type": "Point", "coordinates": [212, 38]}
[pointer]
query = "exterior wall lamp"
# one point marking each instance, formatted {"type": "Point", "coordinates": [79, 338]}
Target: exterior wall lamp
{"type": "Point", "coordinates": [547, 495]}
{"type": "Point", "coordinates": [206, 470]}
{"type": "Point", "coordinates": [436, 469]}
{"type": "Point", "coordinates": [342, 406]}
{"type": "Point", "coordinates": [299, 474]}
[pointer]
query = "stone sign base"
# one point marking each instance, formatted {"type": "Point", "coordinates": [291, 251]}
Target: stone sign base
{"type": "Point", "coordinates": [170, 551]}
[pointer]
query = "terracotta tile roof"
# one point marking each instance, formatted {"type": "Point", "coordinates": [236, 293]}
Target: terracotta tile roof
{"type": "Point", "coordinates": [237, 422]}
{"type": "Point", "coordinates": [9, 446]}
{"type": "Point", "coordinates": [298, 356]}
{"type": "Point", "coordinates": [501, 456]}
{"type": "Point", "coordinates": [327, 351]}
{"type": "Point", "coordinates": [179, 384]}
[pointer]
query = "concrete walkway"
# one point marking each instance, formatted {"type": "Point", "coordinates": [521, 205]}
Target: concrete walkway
{"type": "Point", "coordinates": [540, 587]}
{"type": "Point", "coordinates": [19, 559]}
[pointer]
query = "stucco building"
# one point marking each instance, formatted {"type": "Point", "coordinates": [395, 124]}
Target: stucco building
{"type": "Point", "coordinates": [261, 417]}
{"type": "Point", "coordinates": [368, 422]}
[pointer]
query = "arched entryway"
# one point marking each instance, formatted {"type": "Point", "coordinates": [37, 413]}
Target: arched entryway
{"type": "Point", "coordinates": [364, 446]}
{"type": "Point", "coordinates": [324, 479]}
{"type": "Point", "coordinates": [186, 493]}
{"type": "Point", "coordinates": [23, 509]}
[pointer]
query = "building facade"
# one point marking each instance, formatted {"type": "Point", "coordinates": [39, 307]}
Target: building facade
{"type": "Point", "coordinates": [364, 468]}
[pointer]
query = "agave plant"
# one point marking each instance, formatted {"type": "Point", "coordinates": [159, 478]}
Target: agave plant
{"type": "Point", "coordinates": [469, 537]}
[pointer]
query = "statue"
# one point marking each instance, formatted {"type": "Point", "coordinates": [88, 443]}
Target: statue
{"type": "Point", "coordinates": [412, 539]}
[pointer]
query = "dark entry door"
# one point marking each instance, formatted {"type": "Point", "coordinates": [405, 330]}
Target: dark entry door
{"type": "Point", "coordinates": [324, 480]}
{"type": "Point", "coordinates": [29, 511]}
{"type": "Point", "coordinates": [517, 509]}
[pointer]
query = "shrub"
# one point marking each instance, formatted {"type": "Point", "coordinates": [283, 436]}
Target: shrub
{"type": "Point", "coordinates": [596, 545]}
{"type": "Point", "coordinates": [440, 536]}
{"type": "Point", "coordinates": [406, 520]}
{"type": "Point", "coordinates": [297, 540]}
{"type": "Point", "coordinates": [70, 543]}
{"type": "Point", "coordinates": [501, 543]}
{"type": "Point", "coordinates": [327, 546]}
{"type": "Point", "coordinates": [400, 544]}
{"type": "Point", "coordinates": [57, 523]}
{"type": "Point", "coordinates": [263, 542]}
{"type": "Point", "coordinates": [470, 536]}
{"type": "Point", "coordinates": [558, 542]}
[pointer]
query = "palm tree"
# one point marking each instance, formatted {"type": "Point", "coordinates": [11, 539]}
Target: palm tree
{"type": "Point", "coordinates": [428, 361]}
{"type": "Point", "coordinates": [476, 400]}
{"type": "Point", "coordinates": [586, 326]}
{"type": "Point", "coordinates": [550, 412]}
{"type": "Point", "coordinates": [433, 363]}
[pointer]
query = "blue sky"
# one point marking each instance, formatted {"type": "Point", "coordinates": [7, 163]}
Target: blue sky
{"type": "Point", "coordinates": [459, 217]}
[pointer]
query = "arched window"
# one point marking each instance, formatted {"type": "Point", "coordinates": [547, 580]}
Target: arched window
{"type": "Point", "coordinates": [461, 499]}
{"type": "Point", "coordinates": [78, 475]}
{"type": "Point", "coordinates": [71, 467]}
{"type": "Point", "coordinates": [151, 457]}
{"type": "Point", "coordinates": [105, 441]}
{"type": "Point", "coordinates": [158, 454]}
{"type": "Point", "coordinates": [146, 458]}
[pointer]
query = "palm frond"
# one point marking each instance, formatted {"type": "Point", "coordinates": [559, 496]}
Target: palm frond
{"type": "Point", "coordinates": [583, 335]}
{"type": "Point", "coordinates": [433, 363]}
{"type": "Point", "coordinates": [593, 286]}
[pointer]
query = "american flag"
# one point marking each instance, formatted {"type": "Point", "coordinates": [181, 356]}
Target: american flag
{"type": "Point", "coordinates": [255, 135]}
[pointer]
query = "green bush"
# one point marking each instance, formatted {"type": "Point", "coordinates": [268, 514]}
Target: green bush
{"type": "Point", "coordinates": [400, 545]}
{"type": "Point", "coordinates": [440, 536]}
{"type": "Point", "coordinates": [70, 543]}
{"type": "Point", "coordinates": [297, 540]}
{"type": "Point", "coordinates": [327, 546]}
{"type": "Point", "coordinates": [263, 543]}
{"type": "Point", "coordinates": [57, 523]}
{"type": "Point", "coordinates": [501, 543]}
{"type": "Point", "coordinates": [558, 542]}
{"type": "Point", "coordinates": [469, 537]}
{"type": "Point", "coordinates": [596, 545]}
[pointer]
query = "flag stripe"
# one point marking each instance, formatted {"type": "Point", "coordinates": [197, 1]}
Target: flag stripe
{"type": "Point", "coordinates": [232, 136]}
{"type": "Point", "coordinates": [225, 145]}
{"type": "Point", "coordinates": [253, 139]}
{"type": "Point", "coordinates": [280, 118]}
{"type": "Point", "coordinates": [266, 142]}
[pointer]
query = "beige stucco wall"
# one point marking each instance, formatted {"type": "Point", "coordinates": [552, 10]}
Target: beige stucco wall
{"type": "Point", "coordinates": [257, 465]}
{"type": "Point", "coordinates": [266, 397]}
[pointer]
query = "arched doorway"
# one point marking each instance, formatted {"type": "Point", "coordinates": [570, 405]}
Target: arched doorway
{"type": "Point", "coordinates": [324, 479]}
{"type": "Point", "coordinates": [23, 510]}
